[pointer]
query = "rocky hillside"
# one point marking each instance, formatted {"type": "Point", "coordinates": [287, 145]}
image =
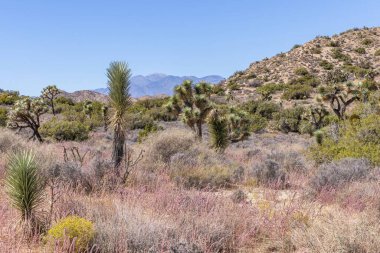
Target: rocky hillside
{"type": "Point", "coordinates": [356, 53]}
{"type": "Point", "coordinates": [82, 95]}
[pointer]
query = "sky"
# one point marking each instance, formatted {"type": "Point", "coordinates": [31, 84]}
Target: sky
{"type": "Point", "coordinates": [71, 43]}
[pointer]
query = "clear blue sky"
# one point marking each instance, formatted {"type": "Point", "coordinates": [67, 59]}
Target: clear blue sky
{"type": "Point", "coordinates": [71, 42]}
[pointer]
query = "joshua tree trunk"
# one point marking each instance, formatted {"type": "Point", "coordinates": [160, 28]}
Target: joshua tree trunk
{"type": "Point", "coordinates": [118, 148]}
{"type": "Point", "coordinates": [52, 107]}
{"type": "Point", "coordinates": [199, 130]}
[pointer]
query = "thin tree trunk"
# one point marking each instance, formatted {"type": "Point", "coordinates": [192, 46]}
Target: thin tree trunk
{"type": "Point", "coordinates": [52, 107]}
{"type": "Point", "coordinates": [118, 149]}
{"type": "Point", "coordinates": [199, 132]}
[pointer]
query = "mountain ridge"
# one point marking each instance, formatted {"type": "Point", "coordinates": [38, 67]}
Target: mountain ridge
{"type": "Point", "coordinates": [161, 84]}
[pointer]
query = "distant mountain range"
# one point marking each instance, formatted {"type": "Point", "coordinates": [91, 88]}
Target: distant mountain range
{"type": "Point", "coordinates": [157, 84]}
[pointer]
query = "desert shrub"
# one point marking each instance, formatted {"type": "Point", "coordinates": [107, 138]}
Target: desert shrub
{"type": "Point", "coordinates": [370, 84]}
{"type": "Point", "coordinates": [360, 50]}
{"type": "Point", "coordinates": [231, 85]}
{"type": "Point", "coordinates": [336, 76]}
{"type": "Point", "coordinates": [298, 91]}
{"type": "Point", "coordinates": [335, 174]}
{"type": "Point", "coordinates": [238, 196]}
{"type": "Point", "coordinates": [72, 228]}
{"type": "Point", "coordinates": [268, 89]}
{"type": "Point", "coordinates": [289, 120]}
{"type": "Point", "coordinates": [265, 109]}
{"type": "Point", "coordinates": [334, 43]}
{"type": "Point", "coordinates": [301, 71]}
{"type": "Point", "coordinates": [63, 130]}
{"type": "Point", "coordinates": [9, 97]}
{"type": "Point", "coordinates": [359, 72]}
{"type": "Point", "coordinates": [258, 123]}
{"type": "Point", "coordinates": [358, 138]}
{"type": "Point", "coordinates": [377, 52]}
{"type": "Point", "coordinates": [296, 46]}
{"type": "Point", "coordinates": [268, 173]}
{"type": "Point", "coordinates": [148, 129]}
{"type": "Point", "coordinates": [326, 65]}
{"type": "Point", "coordinates": [3, 117]}
{"type": "Point", "coordinates": [9, 141]}
{"type": "Point", "coordinates": [163, 145]}
{"type": "Point", "coordinates": [315, 50]}
{"type": "Point", "coordinates": [201, 178]}
{"type": "Point", "coordinates": [367, 41]}
{"type": "Point", "coordinates": [338, 54]}
{"type": "Point", "coordinates": [64, 101]}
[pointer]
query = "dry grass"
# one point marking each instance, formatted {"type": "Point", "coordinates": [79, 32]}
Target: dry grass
{"type": "Point", "coordinates": [183, 197]}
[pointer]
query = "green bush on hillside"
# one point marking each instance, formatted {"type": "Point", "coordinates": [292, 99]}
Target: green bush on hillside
{"type": "Point", "coordinates": [360, 50]}
{"type": "Point", "coordinates": [268, 89]}
{"type": "Point", "coordinates": [9, 97]}
{"type": "Point", "coordinates": [3, 117]}
{"type": "Point", "coordinates": [289, 120]}
{"type": "Point", "coordinates": [326, 65]}
{"type": "Point", "coordinates": [63, 130]}
{"type": "Point", "coordinates": [298, 91]}
{"type": "Point", "coordinates": [358, 138]}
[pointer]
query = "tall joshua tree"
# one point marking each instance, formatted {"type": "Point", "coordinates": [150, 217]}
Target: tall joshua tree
{"type": "Point", "coordinates": [50, 93]}
{"type": "Point", "coordinates": [119, 75]}
{"type": "Point", "coordinates": [192, 103]}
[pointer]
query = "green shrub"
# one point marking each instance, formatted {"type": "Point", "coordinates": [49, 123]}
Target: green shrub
{"type": "Point", "coordinates": [72, 228]}
{"type": "Point", "coordinates": [265, 109]}
{"type": "Point", "coordinates": [268, 89]}
{"type": "Point", "coordinates": [301, 71]}
{"type": "Point", "coordinates": [326, 65]}
{"type": "Point", "coordinates": [377, 53]}
{"type": "Point", "coordinates": [367, 42]}
{"type": "Point", "coordinates": [148, 129]}
{"type": "Point", "coordinates": [289, 120]}
{"type": "Point", "coordinates": [296, 46]}
{"type": "Point", "coordinates": [357, 71]}
{"type": "Point", "coordinates": [298, 91]}
{"type": "Point", "coordinates": [360, 50]}
{"type": "Point", "coordinates": [64, 101]}
{"type": "Point", "coordinates": [258, 123]}
{"type": "Point", "coordinates": [315, 50]}
{"type": "Point", "coordinates": [9, 97]}
{"type": "Point", "coordinates": [307, 79]}
{"type": "Point", "coordinates": [334, 43]}
{"type": "Point", "coordinates": [358, 138]}
{"type": "Point", "coordinates": [63, 130]}
{"type": "Point", "coordinates": [337, 53]}
{"type": "Point", "coordinates": [3, 116]}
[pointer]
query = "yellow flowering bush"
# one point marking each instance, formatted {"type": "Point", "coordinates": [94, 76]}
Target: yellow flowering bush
{"type": "Point", "coordinates": [70, 228]}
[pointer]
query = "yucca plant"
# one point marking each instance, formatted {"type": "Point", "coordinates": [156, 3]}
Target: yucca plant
{"type": "Point", "coordinates": [218, 131]}
{"type": "Point", "coordinates": [25, 185]}
{"type": "Point", "coordinates": [119, 82]}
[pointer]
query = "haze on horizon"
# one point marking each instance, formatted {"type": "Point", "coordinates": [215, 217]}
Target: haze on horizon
{"type": "Point", "coordinates": [70, 43]}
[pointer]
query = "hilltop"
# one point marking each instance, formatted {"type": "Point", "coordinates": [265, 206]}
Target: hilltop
{"type": "Point", "coordinates": [355, 52]}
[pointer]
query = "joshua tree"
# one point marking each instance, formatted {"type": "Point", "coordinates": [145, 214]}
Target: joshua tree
{"type": "Point", "coordinates": [193, 103]}
{"type": "Point", "coordinates": [340, 97]}
{"type": "Point", "coordinates": [88, 108]}
{"type": "Point", "coordinates": [119, 76]}
{"type": "Point", "coordinates": [24, 185]}
{"type": "Point", "coordinates": [218, 131]}
{"type": "Point", "coordinates": [50, 93]}
{"type": "Point", "coordinates": [239, 123]}
{"type": "Point", "coordinates": [26, 113]}
{"type": "Point", "coordinates": [316, 115]}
